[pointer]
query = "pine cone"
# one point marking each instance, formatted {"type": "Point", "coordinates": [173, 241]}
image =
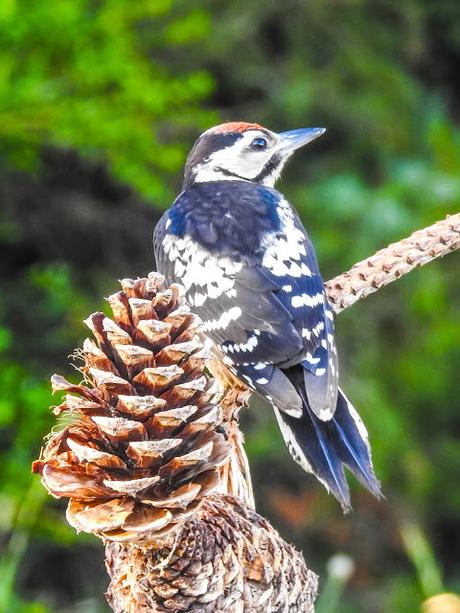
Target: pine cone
{"type": "Point", "coordinates": [151, 460]}
{"type": "Point", "coordinates": [144, 444]}
{"type": "Point", "coordinates": [227, 559]}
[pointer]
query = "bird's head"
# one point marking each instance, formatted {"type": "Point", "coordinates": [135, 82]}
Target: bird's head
{"type": "Point", "coordinates": [243, 151]}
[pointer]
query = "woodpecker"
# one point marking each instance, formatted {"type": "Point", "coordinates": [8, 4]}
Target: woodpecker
{"type": "Point", "coordinates": [250, 272]}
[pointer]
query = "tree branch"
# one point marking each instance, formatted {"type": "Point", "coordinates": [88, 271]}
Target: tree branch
{"type": "Point", "coordinates": [393, 262]}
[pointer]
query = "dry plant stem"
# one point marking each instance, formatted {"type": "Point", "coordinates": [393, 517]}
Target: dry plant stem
{"type": "Point", "coordinates": [162, 476]}
{"type": "Point", "coordinates": [393, 262]}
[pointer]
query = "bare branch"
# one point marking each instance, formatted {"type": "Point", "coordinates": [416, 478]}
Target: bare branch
{"type": "Point", "coordinates": [393, 262]}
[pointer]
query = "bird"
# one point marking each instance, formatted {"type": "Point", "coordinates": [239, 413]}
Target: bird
{"type": "Point", "coordinates": [250, 272]}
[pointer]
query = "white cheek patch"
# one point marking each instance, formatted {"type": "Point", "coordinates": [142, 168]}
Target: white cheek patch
{"type": "Point", "coordinates": [204, 173]}
{"type": "Point", "coordinates": [236, 159]}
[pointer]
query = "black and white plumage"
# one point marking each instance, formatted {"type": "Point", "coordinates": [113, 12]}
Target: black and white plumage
{"type": "Point", "coordinates": [250, 272]}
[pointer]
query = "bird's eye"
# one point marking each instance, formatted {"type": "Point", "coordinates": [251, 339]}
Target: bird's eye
{"type": "Point", "coordinates": [259, 144]}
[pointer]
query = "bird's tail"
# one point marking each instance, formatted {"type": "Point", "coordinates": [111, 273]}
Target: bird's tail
{"type": "Point", "coordinates": [325, 447]}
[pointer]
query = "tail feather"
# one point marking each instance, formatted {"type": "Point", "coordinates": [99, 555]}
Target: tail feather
{"type": "Point", "coordinates": [351, 440]}
{"type": "Point", "coordinates": [325, 447]}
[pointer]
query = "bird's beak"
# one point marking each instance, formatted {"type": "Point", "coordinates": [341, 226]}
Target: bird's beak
{"type": "Point", "coordinates": [294, 139]}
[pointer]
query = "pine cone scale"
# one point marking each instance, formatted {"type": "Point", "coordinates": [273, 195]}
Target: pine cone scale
{"type": "Point", "coordinates": [143, 441]}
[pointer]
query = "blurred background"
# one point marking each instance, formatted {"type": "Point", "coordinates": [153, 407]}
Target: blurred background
{"type": "Point", "coordinates": [100, 101]}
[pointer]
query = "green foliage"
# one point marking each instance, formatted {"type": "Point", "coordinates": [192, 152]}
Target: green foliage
{"type": "Point", "coordinates": [422, 556]}
{"type": "Point", "coordinates": [128, 86]}
{"type": "Point", "coordinates": [76, 73]}
{"type": "Point", "coordinates": [25, 393]}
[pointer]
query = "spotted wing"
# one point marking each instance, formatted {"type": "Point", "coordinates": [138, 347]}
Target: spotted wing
{"type": "Point", "coordinates": [290, 260]}
{"type": "Point", "coordinates": [266, 311]}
